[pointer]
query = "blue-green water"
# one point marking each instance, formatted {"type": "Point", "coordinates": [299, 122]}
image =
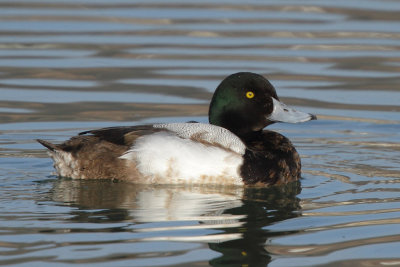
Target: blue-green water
{"type": "Point", "coordinates": [69, 66]}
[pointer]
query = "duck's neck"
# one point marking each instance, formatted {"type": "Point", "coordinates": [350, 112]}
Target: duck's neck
{"type": "Point", "coordinates": [239, 123]}
{"type": "Point", "coordinates": [248, 137]}
{"type": "Point", "coordinates": [233, 121]}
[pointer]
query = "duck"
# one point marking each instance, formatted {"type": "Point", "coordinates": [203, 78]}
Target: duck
{"type": "Point", "coordinates": [232, 149]}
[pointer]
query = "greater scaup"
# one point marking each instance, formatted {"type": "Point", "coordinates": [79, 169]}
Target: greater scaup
{"type": "Point", "coordinates": [232, 149]}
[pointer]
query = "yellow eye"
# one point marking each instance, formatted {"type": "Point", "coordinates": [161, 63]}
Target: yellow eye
{"type": "Point", "coordinates": [249, 94]}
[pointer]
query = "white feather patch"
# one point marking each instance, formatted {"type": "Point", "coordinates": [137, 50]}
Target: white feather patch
{"type": "Point", "coordinates": [173, 158]}
{"type": "Point", "coordinates": [65, 164]}
{"type": "Point", "coordinates": [207, 132]}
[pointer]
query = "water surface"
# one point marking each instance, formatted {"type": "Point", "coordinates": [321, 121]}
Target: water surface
{"type": "Point", "coordinates": [70, 66]}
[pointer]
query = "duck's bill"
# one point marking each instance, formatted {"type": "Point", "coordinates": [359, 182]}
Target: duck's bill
{"type": "Point", "coordinates": [283, 113]}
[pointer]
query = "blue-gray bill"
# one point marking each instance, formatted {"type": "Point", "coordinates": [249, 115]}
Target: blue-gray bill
{"type": "Point", "coordinates": [283, 113]}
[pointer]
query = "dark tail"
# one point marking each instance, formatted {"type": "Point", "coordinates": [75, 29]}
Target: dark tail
{"type": "Point", "coordinates": [50, 146]}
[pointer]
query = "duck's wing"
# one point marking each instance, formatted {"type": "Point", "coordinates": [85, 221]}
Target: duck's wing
{"type": "Point", "coordinates": [198, 132]}
{"type": "Point", "coordinates": [127, 135]}
{"type": "Point", "coordinates": [113, 137]}
{"type": "Point", "coordinates": [124, 135]}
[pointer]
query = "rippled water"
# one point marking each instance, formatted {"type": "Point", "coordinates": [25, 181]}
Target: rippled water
{"type": "Point", "coordinates": [68, 66]}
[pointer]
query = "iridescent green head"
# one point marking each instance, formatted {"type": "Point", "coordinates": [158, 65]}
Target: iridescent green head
{"type": "Point", "coordinates": [246, 102]}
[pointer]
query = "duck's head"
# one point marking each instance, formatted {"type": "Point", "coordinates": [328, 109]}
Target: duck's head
{"type": "Point", "coordinates": [246, 102]}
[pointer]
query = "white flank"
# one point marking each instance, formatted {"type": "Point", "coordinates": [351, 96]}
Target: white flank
{"type": "Point", "coordinates": [172, 157]}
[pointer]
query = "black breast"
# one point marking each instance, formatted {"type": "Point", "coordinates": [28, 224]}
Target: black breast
{"type": "Point", "coordinates": [270, 158]}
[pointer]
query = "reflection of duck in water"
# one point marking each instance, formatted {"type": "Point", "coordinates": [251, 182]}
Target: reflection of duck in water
{"type": "Point", "coordinates": [232, 149]}
{"type": "Point", "coordinates": [262, 207]}
{"type": "Point", "coordinates": [230, 220]}
{"type": "Point", "coordinates": [147, 203]}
